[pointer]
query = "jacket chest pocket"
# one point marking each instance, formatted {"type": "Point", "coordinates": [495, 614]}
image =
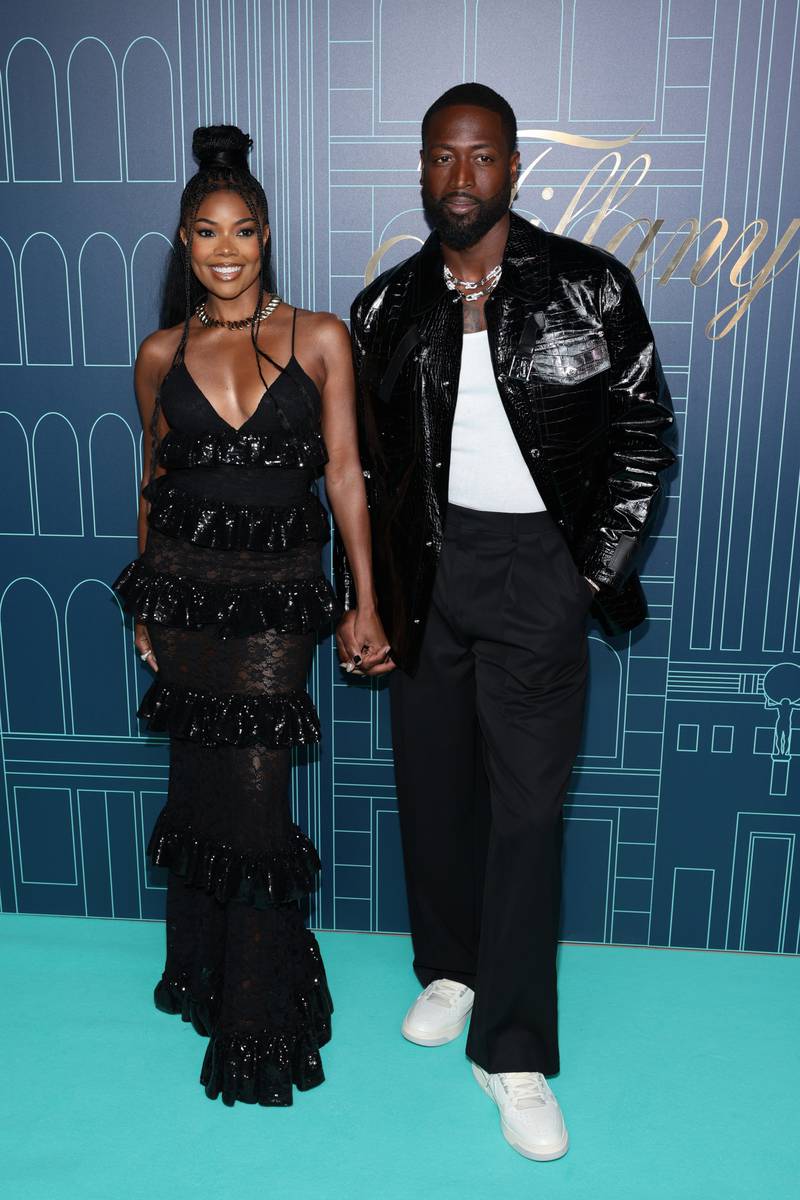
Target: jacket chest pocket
{"type": "Point", "coordinates": [574, 394]}
{"type": "Point", "coordinates": [570, 362]}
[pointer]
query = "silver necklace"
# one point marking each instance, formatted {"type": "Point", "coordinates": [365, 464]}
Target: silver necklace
{"type": "Point", "coordinates": [469, 283]}
{"type": "Point", "coordinates": [474, 289]}
{"type": "Point", "coordinates": [244, 323]}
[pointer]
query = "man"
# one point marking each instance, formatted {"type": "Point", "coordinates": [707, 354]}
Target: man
{"type": "Point", "coordinates": [512, 406]}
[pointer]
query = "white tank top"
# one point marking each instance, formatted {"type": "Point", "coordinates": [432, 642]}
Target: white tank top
{"type": "Point", "coordinates": [487, 470]}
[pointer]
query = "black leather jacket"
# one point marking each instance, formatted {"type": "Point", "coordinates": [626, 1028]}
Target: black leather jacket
{"type": "Point", "coordinates": [580, 380]}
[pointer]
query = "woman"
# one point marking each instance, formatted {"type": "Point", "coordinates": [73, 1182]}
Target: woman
{"type": "Point", "coordinates": [245, 400]}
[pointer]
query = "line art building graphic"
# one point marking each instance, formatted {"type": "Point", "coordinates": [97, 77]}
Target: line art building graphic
{"type": "Point", "coordinates": [684, 807]}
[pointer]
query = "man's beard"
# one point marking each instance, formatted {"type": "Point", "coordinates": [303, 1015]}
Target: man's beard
{"type": "Point", "coordinates": [460, 231]}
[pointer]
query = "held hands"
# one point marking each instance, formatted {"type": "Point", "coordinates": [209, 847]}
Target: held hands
{"type": "Point", "coordinates": [142, 643]}
{"type": "Point", "coordinates": [362, 645]}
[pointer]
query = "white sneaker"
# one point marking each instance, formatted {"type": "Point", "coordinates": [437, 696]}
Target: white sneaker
{"type": "Point", "coordinates": [438, 1014]}
{"type": "Point", "coordinates": [530, 1117]}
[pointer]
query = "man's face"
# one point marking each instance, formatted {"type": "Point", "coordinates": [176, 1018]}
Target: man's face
{"type": "Point", "coordinates": [467, 173]}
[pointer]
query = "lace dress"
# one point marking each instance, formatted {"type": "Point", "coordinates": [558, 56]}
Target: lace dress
{"type": "Point", "coordinates": [232, 592]}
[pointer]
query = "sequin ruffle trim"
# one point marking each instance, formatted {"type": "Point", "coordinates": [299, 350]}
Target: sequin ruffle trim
{"type": "Point", "coordinates": [181, 450]}
{"type": "Point", "coordinates": [277, 721]}
{"type": "Point", "coordinates": [198, 1005]}
{"type": "Point", "coordinates": [287, 874]}
{"type": "Point", "coordinates": [298, 606]}
{"type": "Point", "coordinates": [257, 1068]}
{"type": "Point", "coordinates": [222, 526]}
{"type": "Point", "coordinates": [261, 1068]}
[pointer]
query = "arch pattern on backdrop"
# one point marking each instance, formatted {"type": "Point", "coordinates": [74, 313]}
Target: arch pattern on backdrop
{"type": "Point", "coordinates": [34, 141]}
{"type": "Point", "coordinates": [148, 93]}
{"type": "Point", "coordinates": [44, 290]}
{"type": "Point", "coordinates": [32, 665]}
{"type": "Point", "coordinates": [57, 478]}
{"type": "Point", "coordinates": [104, 305]}
{"type": "Point", "coordinates": [95, 633]}
{"type": "Point", "coordinates": [94, 113]}
{"type": "Point", "coordinates": [10, 325]}
{"type": "Point", "coordinates": [16, 484]}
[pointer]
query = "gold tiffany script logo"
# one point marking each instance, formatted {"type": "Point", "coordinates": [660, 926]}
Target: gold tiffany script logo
{"type": "Point", "coordinates": [602, 196]}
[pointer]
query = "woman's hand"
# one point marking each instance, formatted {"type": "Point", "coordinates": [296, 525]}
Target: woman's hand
{"type": "Point", "coordinates": [145, 649]}
{"type": "Point", "coordinates": [362, 644]}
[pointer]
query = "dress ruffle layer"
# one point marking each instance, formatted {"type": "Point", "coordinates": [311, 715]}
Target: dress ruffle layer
{"type": "Point", "coordinates": [221, 526]}
{"type": "Point", "coordinates": [181, 450]}
{"type": "Point", "coordinates": [258, 1068]}
{"type": "Point", "coordinates": [299, 606]}
{"type": "Point", "coordinates": [261, 1068]}
{"type": "Point", "coordinates": [198, 1005]}
{"type": "Point", "coordinates": [277, 721]}
{"type": "Point", "coordinates": [286, 874]}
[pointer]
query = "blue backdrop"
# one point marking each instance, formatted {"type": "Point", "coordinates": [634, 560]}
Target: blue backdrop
{"type": "Point", "coordinates": [657, 128]}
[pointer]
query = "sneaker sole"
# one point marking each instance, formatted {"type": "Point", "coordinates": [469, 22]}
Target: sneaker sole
{"type": "Point", "coordinates": [536, 1155]}
{"type": "Point", "coordinates": [441, 1039]}
{"type": "Point", "coordinates": [511, 1138]}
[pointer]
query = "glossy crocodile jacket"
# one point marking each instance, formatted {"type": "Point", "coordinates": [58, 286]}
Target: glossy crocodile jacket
{"type": "Point", "coordinates": [581, 383]}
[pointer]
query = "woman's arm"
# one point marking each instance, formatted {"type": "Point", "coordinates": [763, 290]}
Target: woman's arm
{"type": "Point", "coordinates": [344, 483]}
{"type": "Point", "coordinates": [146, 380]}
{"type": "Point", "coordinates": [147, 375]}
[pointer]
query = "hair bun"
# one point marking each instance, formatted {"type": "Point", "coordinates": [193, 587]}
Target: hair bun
{"type": "Point", "coordinates": [221, 146]}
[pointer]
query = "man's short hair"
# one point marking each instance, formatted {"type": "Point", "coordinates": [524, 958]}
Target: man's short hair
{"type": "Point", "coordinates": [479, 96]}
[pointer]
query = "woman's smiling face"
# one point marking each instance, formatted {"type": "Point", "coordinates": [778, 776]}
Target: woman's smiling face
{"type": "Point", "coordinates": [226, 255]}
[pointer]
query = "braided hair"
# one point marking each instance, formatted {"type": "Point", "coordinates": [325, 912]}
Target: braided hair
{"type": "Point", "coordinates": [221, 155]}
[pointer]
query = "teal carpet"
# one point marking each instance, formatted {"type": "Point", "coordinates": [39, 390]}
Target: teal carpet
{"type": "Point", "coordinates": [680, 1079]}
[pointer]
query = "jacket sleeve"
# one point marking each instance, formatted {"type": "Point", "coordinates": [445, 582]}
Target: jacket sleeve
{"type": "Point", "coordinates": [640, 412]}
{"type": "Point", "coordinates": [342, 575]}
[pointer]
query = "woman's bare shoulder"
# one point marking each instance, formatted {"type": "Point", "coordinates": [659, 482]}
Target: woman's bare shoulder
{"type": "Point", "coordinates": [327, 331]}
{"type": "Point", "coordinates": [320, 320]}
{"type": "Point", "coordinates": [157, 351]}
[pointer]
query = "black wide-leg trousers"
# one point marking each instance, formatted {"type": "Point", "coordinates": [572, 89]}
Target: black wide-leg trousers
{"type": "Point", "coordinates": [485, 734]}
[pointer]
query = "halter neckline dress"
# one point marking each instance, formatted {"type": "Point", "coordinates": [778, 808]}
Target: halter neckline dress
{"type": "Point", "coordinates": [231, 589]}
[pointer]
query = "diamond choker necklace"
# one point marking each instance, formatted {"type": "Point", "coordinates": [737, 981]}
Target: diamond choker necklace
{"type": "Point", "coordinates": [473, 289]}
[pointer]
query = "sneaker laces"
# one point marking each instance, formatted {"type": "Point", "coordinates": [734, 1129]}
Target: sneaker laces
{"type": "Point", "coordinates": [445, 992]}
{"type": "Point", "coordinates": [525, 1089]}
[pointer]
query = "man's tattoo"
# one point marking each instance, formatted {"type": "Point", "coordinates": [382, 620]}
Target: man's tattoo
{"type": "Point", "coordinates": [474, 320]}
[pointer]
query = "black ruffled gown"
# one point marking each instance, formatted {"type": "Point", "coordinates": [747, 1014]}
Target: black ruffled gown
{"type": "Point", "coordinates": [232, 591]}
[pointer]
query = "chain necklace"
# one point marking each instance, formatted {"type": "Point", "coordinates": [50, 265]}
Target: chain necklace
{"type": "Point", "coordinates": [468, 283]}
{"type": "Point", "coordinates": [244, 323]}
{"type": "Point", "coordinates": [475, 289]}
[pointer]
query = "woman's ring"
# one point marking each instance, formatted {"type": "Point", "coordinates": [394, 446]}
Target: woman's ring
{"type": "Point", "coordinates": [146, 655]}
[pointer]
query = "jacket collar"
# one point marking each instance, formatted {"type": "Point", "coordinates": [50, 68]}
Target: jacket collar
{"type": "Point", "coordinates": [526, 267]}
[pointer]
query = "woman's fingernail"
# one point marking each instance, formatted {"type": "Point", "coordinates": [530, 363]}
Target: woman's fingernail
{"type": "Point", "coordinates": [349, 667]}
